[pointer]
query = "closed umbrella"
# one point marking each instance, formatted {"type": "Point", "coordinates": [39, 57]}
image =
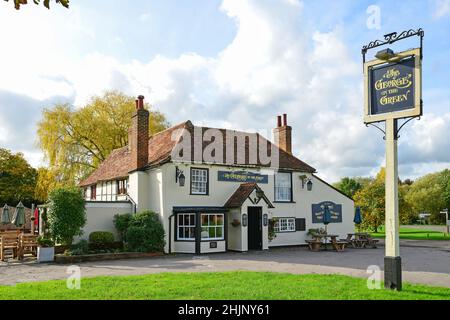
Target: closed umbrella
{"type": "Point", "coordinates": [358, 218]}
{"type": "Point", "coordinates": [326, 217]}
{"type": "Point", "coordinates": [19, 215]}
{"type": "Point", "coordinates": [5, 215]}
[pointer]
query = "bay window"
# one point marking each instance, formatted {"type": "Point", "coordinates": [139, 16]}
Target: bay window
{"type": "Point", "coordinates": [212, 226]}
{"type": "Point", "coordinates": [186, 226]}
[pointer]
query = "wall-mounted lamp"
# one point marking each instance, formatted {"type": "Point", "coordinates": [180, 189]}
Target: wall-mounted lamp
{"type": "Point", "coordinates": [244, 220]}
{"type": "Point", "coordinates": [307, 181]}
{"type": "Point", "coordinates": [179, 177]}
{"type": "Point", "coordinates": [385, 54]}
{"type": "Point", "coordinates": [259, 195]}
{"type": "Point", "coordinates": [309, 185]}
{"type": "Point", "coordinates": [265, 220]}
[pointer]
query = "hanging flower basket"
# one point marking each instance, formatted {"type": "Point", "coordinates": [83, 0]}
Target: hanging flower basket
{"type": "Point", "coordinates": [235, 223]}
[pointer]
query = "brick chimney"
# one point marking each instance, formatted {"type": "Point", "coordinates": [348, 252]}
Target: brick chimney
{"type": "Point", "coordinates": [138, 136]}
{"type": "Point", "coordinates": [283, 135]}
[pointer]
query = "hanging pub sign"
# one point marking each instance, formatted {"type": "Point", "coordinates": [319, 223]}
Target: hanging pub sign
{"type": "Point", "coordinates": [319, 209]}
{"type": "Point", "coordinates": [242, 176]}
{"type": "Point", "coordinates": [393, 88]}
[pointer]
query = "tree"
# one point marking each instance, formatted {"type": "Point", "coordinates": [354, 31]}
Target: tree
{"type": "Point", "coordinates": [371, 199]}
{"type": "Point", "coordinates": [18, 3]}
{"type": "Point", "coordinates": [66, 214]}
{"type": "Point", "coordinates": [46, 182]}
{"type": "Point", "coordinates": [348, 186]}
{"type": "Point", "coordinates": [75, 142]}
{"type": "Point", "coordinates": [430, 194]}
{"type": "Point", "coordinates": [17, 179]}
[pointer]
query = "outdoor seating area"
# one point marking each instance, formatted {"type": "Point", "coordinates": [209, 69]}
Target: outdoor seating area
{"type": "Point", "coordinates": [16, 244]}
{"type": "Point", "coordinates": [324, 241]}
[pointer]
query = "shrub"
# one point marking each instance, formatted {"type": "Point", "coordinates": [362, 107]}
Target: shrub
{"type": "Point", "coordinates": [122, 222]}
{"type": "Point", "coordinates": [45, 242]}
{"type": "Point", "coordinates": [82, 247]}
{"type": "Point", "coordinates": [66, 215]}
{"type": "Point", "coordinates": [145, 233]}
{"type": "Point", "coordinates": [101, 239]}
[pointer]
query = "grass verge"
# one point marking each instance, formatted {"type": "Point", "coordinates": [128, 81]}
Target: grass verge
{"type": "Point", "coordinates": [220, 285]}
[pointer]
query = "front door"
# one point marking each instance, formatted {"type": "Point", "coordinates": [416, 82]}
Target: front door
{"type": "Point", "coordinates": [254, 228]}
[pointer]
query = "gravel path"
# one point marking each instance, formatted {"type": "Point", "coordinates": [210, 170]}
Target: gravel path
{"type": "Point", "coordinates": [420, 264]}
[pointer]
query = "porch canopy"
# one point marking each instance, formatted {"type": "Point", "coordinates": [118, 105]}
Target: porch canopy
{"type": "Point", "coordinates": [244, 192]}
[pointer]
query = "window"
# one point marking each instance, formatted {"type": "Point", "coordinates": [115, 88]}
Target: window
{"type": "Point", "coordinates": [212, 227]}
{"type": "Point", "coordinates": [284, 225]}
{"type": "Point", "coordinates": [93, 192]}
{"type": "Point", "coordinates": [283, 187]}
{"type": "Point", "coordinates": [199, 181]}
{"type": "Point", "coordinates": [186, 226]}
{"type": "Point", "coordinates": [122, 186]}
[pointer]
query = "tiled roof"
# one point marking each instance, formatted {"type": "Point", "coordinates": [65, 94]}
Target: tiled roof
{"type": "Point", "coordinates": [241, 194]}
{"type": "Point", "coordinates": [118, 164]}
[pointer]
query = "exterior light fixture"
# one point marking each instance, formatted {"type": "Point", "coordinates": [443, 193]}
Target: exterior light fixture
{"type": "Point", "coordinates": [244, 220]}
{"type": "Point", "coordinates": [307, 181]}
{"type": "Point", "coordinates": [179, 177]}
{"type": "Point", "coordinates": [259, 195]}
{"type": "Point", "coordinates": [385, 54]}
{"type": "Point", "coordinates": [309, 185]}
{"type": "Point", "coordinates": [265, 220]}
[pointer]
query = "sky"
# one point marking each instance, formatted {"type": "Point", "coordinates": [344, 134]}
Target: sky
{"type": "Point", "coordinates": [230, 64]}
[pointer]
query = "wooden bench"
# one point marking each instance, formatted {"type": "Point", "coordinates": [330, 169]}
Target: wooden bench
{"type": "Point", "coordinates": [27, 244]}
{"type": "Point", "coordinates": [349, 240]}
{"type": "Point", "coordinates": [339, 246]}
{"type": "Point", "coordinates": [8, 244]}
{"type": "Point", "coordinates": [314, 245]}
{"type": "Point", "coordinates": [372, 242]}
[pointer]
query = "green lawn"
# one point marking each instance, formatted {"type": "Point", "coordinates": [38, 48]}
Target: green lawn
{"type": "Point", "coordinates": [225, 285]}
{"type": "Point", "coordinates": [415, 234]}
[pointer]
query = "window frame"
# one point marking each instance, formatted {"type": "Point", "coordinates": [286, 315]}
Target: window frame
{"type": "Point", "coordinates": [291, 194]}
{"type": "Point", "coordinates": [124, 190]}
{"type": "Point", "coordinates": [287, 225]}
{"type": "Point", "coordinates": [93, 195]}
{"type": "Point", "coordinates": [178, 226]}
{"type": "Point", "coordinates": [212, 226]}
{"type": "Point", "coordinates": [207, 181]}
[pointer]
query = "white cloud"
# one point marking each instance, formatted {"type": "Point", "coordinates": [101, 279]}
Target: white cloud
{"type": "Point", "coordinates": [272, 66]}
{"type": "Point", "coordinates": [441, 8]}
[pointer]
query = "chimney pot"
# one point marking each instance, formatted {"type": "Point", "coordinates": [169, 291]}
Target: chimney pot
{"type": "Point", "coordinates": [141, 102]}
{"type": "Point", "coordinates": [137, 105]}
{"type": "Point", "coordinates": [279, 122]}
{"type": "Point", "coordinates": [285, 119]}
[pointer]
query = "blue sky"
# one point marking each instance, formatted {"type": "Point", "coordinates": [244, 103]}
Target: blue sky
{"type": "Point", "coordinates": [229, 63]}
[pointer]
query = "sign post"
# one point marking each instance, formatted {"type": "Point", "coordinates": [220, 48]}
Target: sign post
{"type": "Point", "coordinates": [392, 91]}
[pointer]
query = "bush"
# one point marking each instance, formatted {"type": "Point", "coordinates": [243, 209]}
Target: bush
{"type": "Point", "coordinates": [80, 248]}
{"type": "Point", "coordinates": [45, 242]}
{"type": "Point", "coordinates": [145, 233]}
{"type": "Point", "coordinates": [66, 215]}
{"type": "Point", "coordinates": [122, 222]}
{"type": "Point", "coordinates": [101, 239]}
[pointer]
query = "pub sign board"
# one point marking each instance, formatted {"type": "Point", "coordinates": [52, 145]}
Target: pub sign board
{"type": "Point", "coordinates": [242, 176]}
{"type": "Point", "coordinates": [318, 210]}
{"type": "Point", "coordinates": [393, 89]}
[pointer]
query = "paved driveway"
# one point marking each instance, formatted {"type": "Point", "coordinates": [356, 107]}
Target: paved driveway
{"type": "Point", "coordinates": [420, 264]}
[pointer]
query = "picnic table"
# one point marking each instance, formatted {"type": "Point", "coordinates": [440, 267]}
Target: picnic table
{"type": "Point", "coordinates": [321, 239]}
{"type": "Point", "coordinates": [361, 240]}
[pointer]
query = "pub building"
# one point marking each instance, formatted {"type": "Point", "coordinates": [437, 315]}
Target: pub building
{"type": "Point", "coordinates": [213, 206]}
